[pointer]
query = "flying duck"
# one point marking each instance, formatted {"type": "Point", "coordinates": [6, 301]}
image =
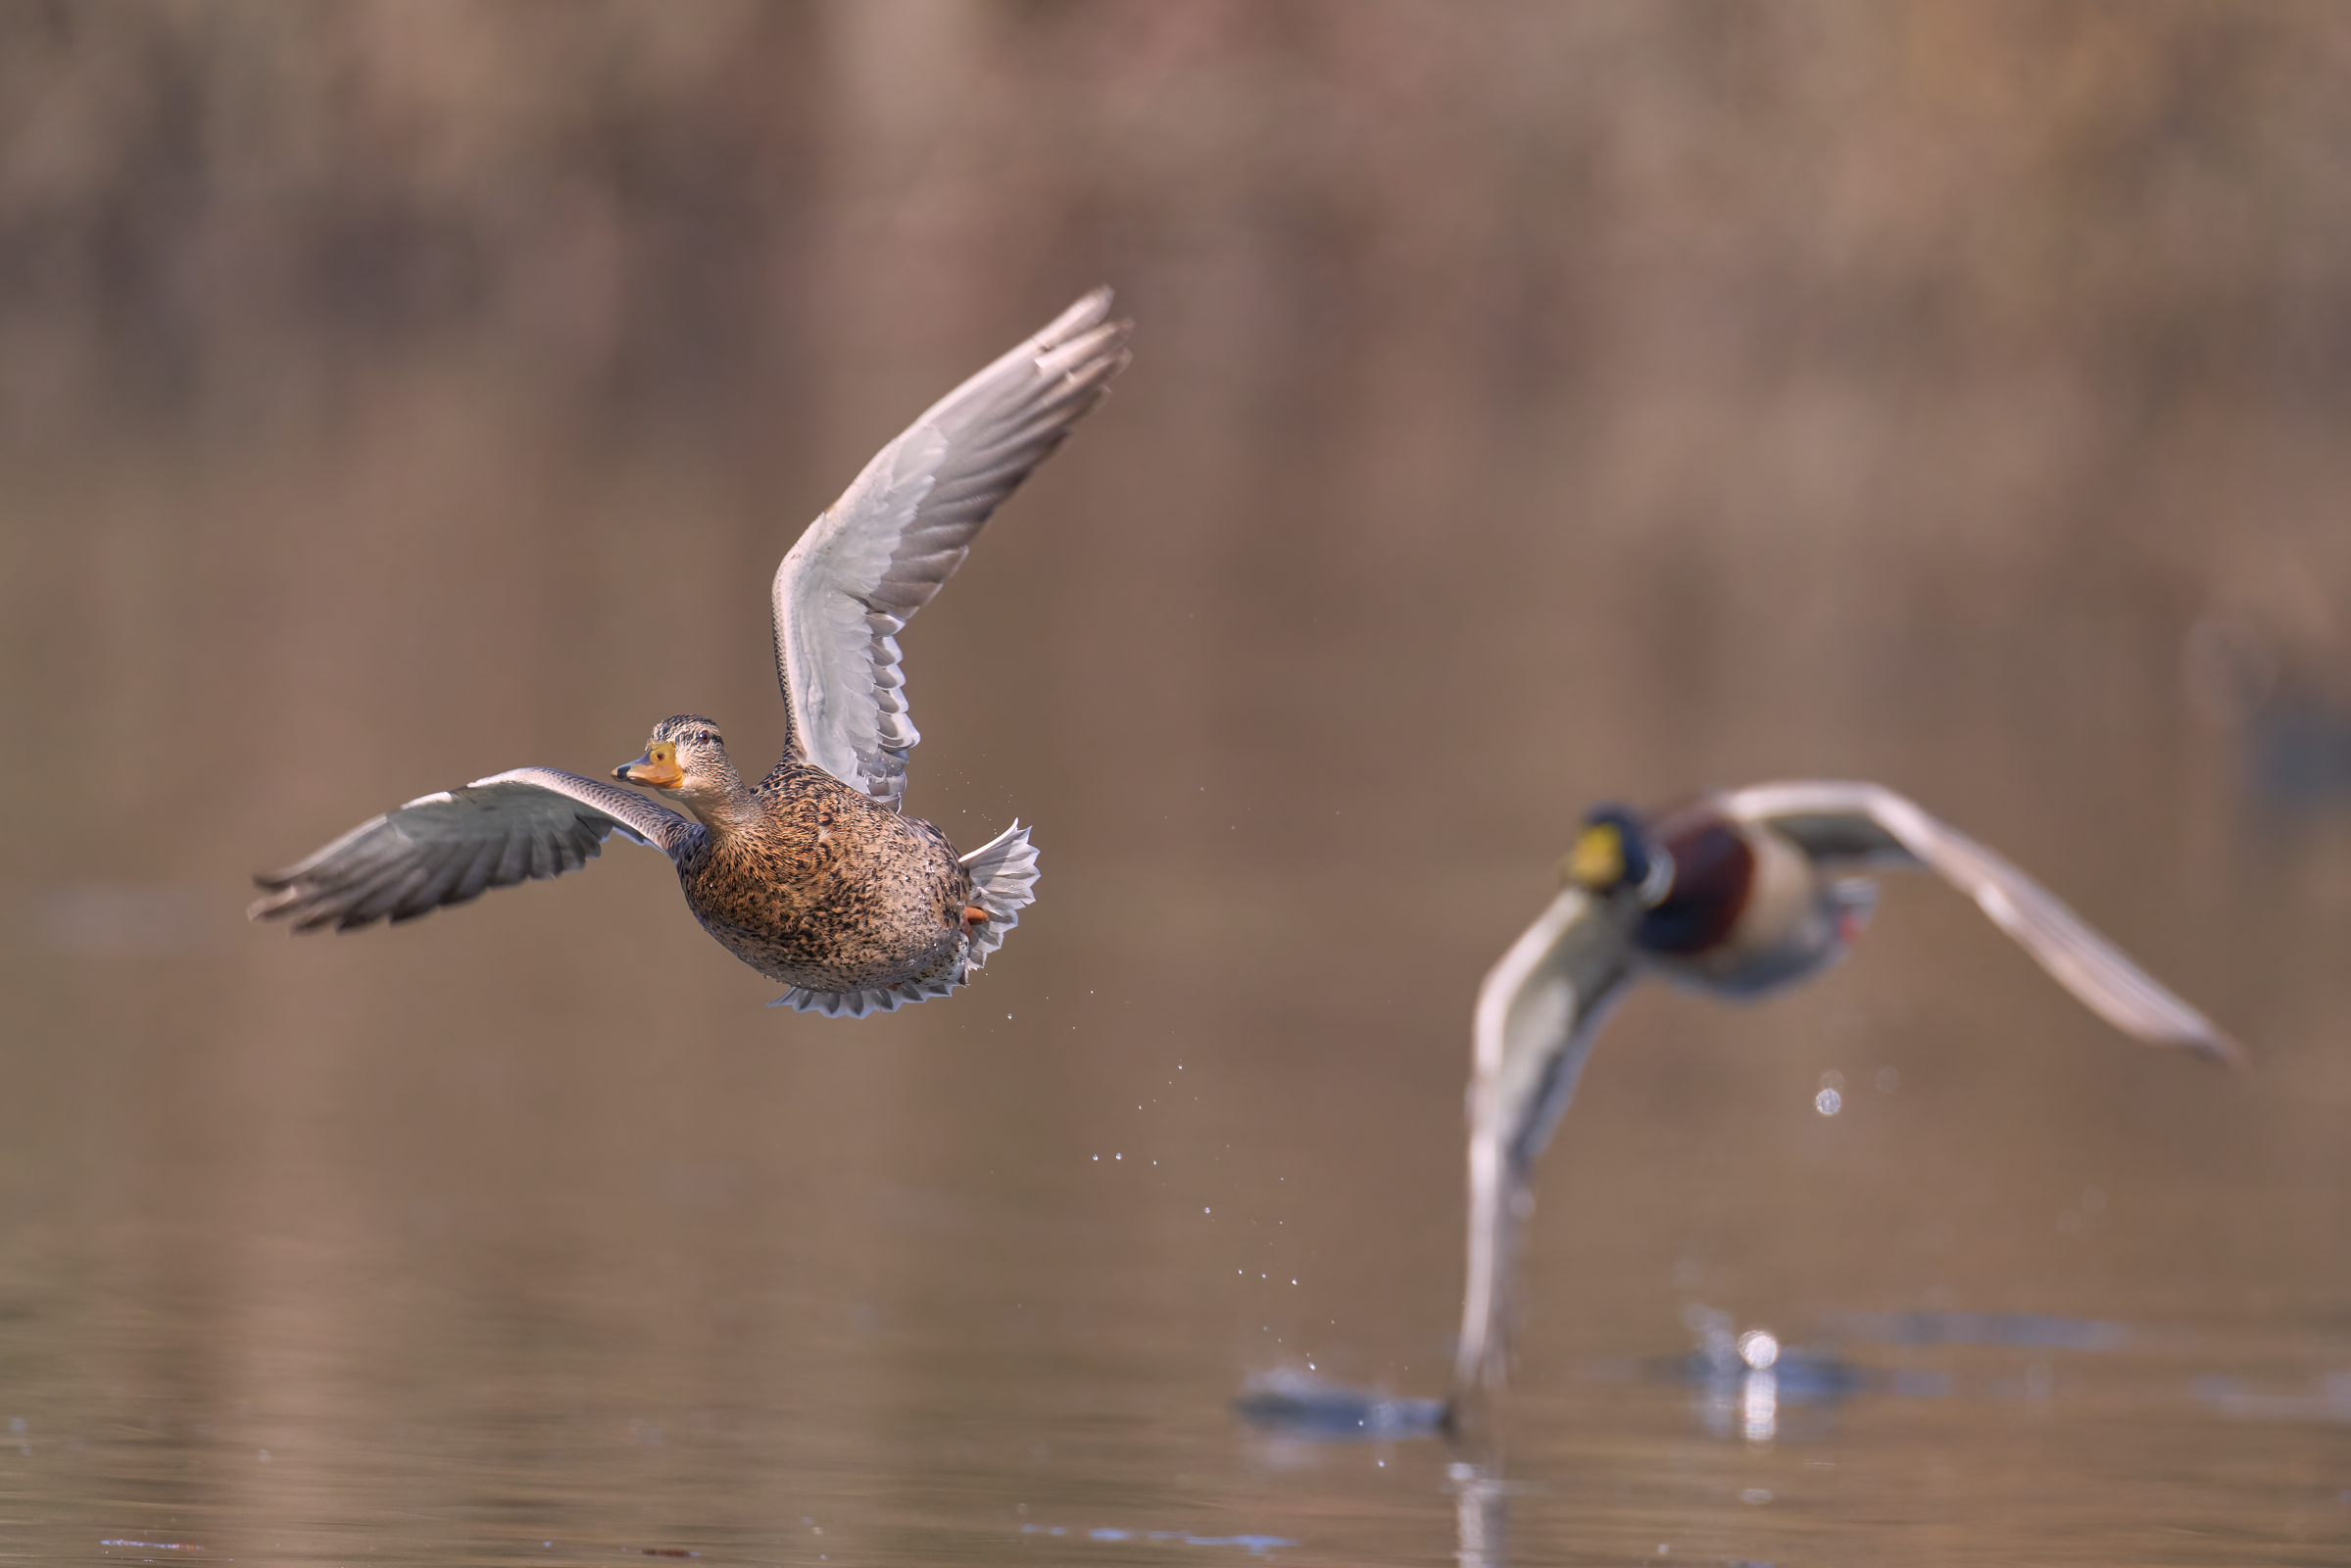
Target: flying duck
{"type": "Point", "coordinates": [813, 876]}
{"type": "Point", "coordinates": [1737, 894]}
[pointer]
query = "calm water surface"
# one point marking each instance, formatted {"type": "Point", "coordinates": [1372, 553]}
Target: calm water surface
{"type": "Point", "coordinates": [1532, 406]}
{"type": "Point", "coordinates": [534, 1412]}
{"type": "Point", "coordinates": [775, 1296]}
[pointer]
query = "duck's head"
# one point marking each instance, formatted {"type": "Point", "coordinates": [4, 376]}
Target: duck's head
{"type": "Point", "coordinates": [1614, 853]}
{"type": "Point", "coordinates": [686, 754]}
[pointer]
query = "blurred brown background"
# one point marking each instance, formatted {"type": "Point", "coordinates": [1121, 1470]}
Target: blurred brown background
{"type": "Point", "coordinates": [1531, 405]}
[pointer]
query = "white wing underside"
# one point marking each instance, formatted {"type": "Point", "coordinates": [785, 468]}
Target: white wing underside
{"type": "Point", "coordinates": [1538, 1012]}
{"type": "Point", "coordinates": [863, 569]}
{"type": "Point", "coordinates": [1003, 879]}
{"type": "Point", "coordinates": [1872, 824]}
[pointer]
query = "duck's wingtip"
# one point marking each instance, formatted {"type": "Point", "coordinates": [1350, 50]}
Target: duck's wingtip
{"type": "Point", "coordinates": [1083, 313]}
{"type": "Point", "coordinates": [278, 900]}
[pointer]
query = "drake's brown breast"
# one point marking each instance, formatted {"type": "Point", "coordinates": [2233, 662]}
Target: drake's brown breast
{"type": "Point", "coordinates": [1714, 870]}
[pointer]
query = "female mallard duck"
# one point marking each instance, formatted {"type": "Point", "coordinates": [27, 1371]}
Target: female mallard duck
{"type": "Point", "coordinates": [811, 876]}
{"type": "Point", "coordinates": [1737, 894]}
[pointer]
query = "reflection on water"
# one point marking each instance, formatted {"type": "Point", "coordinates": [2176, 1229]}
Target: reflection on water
{"type": "Point", "coordinates": [1743, 1379]}
{"type": "Point", "coordinates": [2327, 1398]}
{"type": "Point", "coordinates": [2147, 1398]}
{"type": "Point", "coordinates": [1257, 1546]}
{"type": "Point", "coordinates": [1302, 1405]}
{"type": "Point", "coordinates": [1481, 1515]}
{"type": "Point", "coordinates": [1532, 404]}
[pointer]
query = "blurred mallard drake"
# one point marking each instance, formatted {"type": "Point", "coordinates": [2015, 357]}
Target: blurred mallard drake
{"type": "Point", "coordinates": [1737, 894]}
{"type": "Point", "coordinates": [813, 876]}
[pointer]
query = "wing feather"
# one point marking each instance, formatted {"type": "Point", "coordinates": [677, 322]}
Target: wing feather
{"type": "Point", "coordinates": [476, 880]}
{"type": "Point", "coordinates": [879, 554]}
{"type": "Point", "coordinates": [448, 865]}
{"type": "Point", "coordinates": [1538, 1012]}
{"type": "Point", "coordinates": [1871, 824]}
{"type": "Point", "coordinates": [517, 827]}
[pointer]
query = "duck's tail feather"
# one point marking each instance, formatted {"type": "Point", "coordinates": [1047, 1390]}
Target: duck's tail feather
{"type": "Point", "coordinates": [1003, 879]}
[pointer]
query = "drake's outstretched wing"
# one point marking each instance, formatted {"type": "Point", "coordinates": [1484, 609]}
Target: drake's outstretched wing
{"type": "Point", "coordinates": [859, 573]}
{"type": "Point", "coordinates": [448, 848]}
{"type": "Point", "coordinates": [1538, 1012]}
{"type": "Point", "coordinates": [1870, 823]}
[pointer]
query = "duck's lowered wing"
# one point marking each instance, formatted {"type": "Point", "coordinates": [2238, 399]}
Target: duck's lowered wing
{"type": "Point", "coordinates": [1871, 823]}
{"type": "Point", "coordinates": [1538, 1012]}
{"type": "Point", "coordinates": [859, 573]}
{"type": "Point", "coordinates": [448, 848]}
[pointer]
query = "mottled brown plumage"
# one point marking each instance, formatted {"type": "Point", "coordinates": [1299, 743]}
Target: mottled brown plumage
{"type": "Point", "coordinates": [811, 876]}
{"type": "Point", "coordinates": [809, 881]}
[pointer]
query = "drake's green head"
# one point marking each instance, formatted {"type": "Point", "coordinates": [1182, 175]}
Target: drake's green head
{"type": "Point", "coordinates": [1613, 853]}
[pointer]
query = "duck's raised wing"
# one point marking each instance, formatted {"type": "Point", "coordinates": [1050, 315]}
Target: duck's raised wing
{"type": "Point", "coordinates": [1538, 1012]}
{"type": "Point", "coordinates": [1872, 824]}
{"type": "Point", "coordinates": [448, 848]}
{"type": "Point", "coordinates": [859, 573]}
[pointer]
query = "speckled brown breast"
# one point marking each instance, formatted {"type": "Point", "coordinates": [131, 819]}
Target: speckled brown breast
{"type": "Point", "coordinates": [829, 891]}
